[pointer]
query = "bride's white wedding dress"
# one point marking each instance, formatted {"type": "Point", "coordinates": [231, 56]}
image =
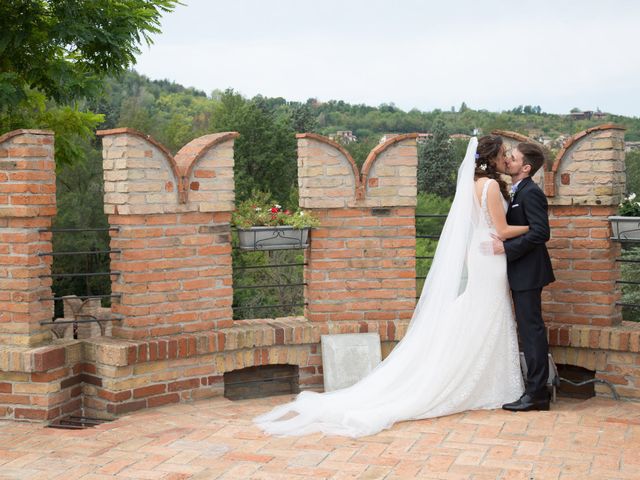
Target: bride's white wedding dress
{"type": "Point", "coordinates": [460, 351]}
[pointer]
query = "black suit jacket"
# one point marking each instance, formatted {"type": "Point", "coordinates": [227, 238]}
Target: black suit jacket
{"type": "Point", "coordinates": [528, 262]}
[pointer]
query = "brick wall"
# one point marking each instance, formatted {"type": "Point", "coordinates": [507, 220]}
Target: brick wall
{"type": "Point", "coordinates": [41, 383]}
{"type": "Point", "coordinates": [613, 353]}
{"type": "Point", "coordinates": [588, 182]}
{"type": "Point", "coordinates": [131, 375]}
{"type": "Point", "coordinates": [361, 262]}
{"type": "Point", "coordinates": [583, 184]}
{"type": "Point", "coordinates": [172, 216]}
{"type": "Point", "coordinates": [27, 203]}
{"type": "Point", "coordinates": [177, 338]}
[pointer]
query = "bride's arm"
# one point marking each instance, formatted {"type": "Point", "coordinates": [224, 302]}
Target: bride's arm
{"type": "Point", "coordinates": [498, 215]}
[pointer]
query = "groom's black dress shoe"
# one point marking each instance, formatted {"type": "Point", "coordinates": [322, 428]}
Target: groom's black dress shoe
{"type": "Point", "coordinates": [528, 402]}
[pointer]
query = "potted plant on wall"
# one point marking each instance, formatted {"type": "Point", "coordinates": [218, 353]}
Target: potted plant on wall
{"type": "Point", "coordinates": [625, 226]}
{"type": "Point", "coordinates": [263, 224]}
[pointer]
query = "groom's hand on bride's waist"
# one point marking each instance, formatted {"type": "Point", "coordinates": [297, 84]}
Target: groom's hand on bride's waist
{"type": "Point", "coordinates": [493, 247]}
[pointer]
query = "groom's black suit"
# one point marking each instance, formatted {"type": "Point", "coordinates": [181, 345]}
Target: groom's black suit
{"type": "Point", "coordinates": [529, 269]}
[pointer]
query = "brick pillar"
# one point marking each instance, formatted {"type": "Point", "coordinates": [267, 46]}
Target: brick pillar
{"type": "Point", "coordinates": [174, 218]}
{"type": "Point", "coordinates": [361, 262]}
{"type": "Point", "coordinates": [584, 186]}
{"type": "Point", "coordinates": [27, 203]}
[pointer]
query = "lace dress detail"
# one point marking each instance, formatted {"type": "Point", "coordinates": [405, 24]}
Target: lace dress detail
{"type": "Point", "coordinates": [465, 359]}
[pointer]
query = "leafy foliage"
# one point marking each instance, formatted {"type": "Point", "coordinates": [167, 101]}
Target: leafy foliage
{"type": "Point", "coordinates": [79, 199]}
{"type": "Point", "coordinates": [437, 165]}
{"type": "Point", "coordinates": [273, 271]}
{"type": "Point", "coordinates": [262, 210]}
{"type": "Point", "coordinates": [54, 56]}
{"type": "Point", "coordinates": [437, 208]}
{"type": "Point", "coordinates": [63, 48]}
{"type": "Point", "coordinates": [629, 207]}
{"type": "Point", "coordinates": [632, 163]}
{"type": "Point", "coordinates": [265, 153]}
{"type": "Point", "coordinates": [630, 273]}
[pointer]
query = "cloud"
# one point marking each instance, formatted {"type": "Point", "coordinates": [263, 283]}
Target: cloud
{"type": "Point", "coordinates": [415, 54]}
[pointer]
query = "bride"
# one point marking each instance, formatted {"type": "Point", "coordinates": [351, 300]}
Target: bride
{"type": "Point", "coordinates": [460, 351]}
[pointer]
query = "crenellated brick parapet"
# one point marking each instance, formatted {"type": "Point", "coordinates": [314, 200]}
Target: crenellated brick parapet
{"type": "Point", "coordinates": [361, 262]}
{"type": "Point", "coordinates": [170, 218]}
{"type": "Point", "coordinates": [589, 169]}
{"type": "Point", "coordinates": [136, 374]}
{"type": "Point", "coordinates": [27, 204]}
{"type": "Point", "coordinates": [583, 186]}
{"type": "Point", "coordinates": [612, 353]}
{"type": "Point", "coordinates": [173, 229]}
{"type": "Point", "coordinates": [588, 182]}
{"type": "Point", "coordinates": [329, 178]}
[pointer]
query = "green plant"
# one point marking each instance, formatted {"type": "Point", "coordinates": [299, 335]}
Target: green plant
{"type": "Point", "coordinates": [629, 207]}
{"type": "Point", "coordinates": [261, 211]}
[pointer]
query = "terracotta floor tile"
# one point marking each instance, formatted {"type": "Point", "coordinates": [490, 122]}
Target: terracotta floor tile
{"type": "Point", "coordinates": [215, 440]}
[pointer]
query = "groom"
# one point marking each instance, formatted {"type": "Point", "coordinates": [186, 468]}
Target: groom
{"type": "Point", "coordinates": [528, 269]}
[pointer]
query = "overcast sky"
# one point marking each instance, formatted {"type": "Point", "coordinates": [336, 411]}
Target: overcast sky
{"type": "Point", "coordinates": [427, 54]}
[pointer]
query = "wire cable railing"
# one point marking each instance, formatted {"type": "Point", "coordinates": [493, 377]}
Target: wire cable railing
{"type": "Point", "coordinates": [428, 230]}
{"type": "Point", "coordinates": [267, 280]}
{"type": "Point", "coordinates": [77, 304]}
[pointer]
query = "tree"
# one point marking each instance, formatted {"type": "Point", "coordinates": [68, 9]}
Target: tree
{"type": "Point", "coordinates": [265, 153]}
{"type": "Point", "coordinates": [436, 164]}
{"type": "Point", "coordinates": [632, 162]}
{"type": "Point", "coordinates": [64, 47]}
{"type": "Point", "coordinates": [54, 55]}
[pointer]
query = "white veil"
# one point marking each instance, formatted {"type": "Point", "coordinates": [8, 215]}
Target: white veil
{"type": "Point", "coordinates": [447, 275]}
{"type": "Point", "coordinates": [416, 380]}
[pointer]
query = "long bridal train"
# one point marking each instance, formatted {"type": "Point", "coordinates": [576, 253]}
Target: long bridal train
{"type": "Point", "coordinates": [460, 351]}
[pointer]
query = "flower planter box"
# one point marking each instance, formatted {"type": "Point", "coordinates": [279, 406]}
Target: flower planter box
{"type": "Point", "coordinates": [273, 238]}
{"type": "Point", "coordinates": [625, 229]}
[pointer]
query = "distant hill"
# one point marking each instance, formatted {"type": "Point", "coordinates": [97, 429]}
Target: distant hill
{"type": "Point", "coordinates": [167, 108]}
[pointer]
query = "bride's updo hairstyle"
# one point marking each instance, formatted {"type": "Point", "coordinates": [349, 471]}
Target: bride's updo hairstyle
{"type": "Point", "coordinates": [488, 149]}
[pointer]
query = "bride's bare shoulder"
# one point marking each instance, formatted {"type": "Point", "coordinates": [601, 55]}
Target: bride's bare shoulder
{"type": "Point", "coordinates": [482, 181]}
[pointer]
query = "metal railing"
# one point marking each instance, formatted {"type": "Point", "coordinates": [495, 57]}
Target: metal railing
{"type": "Point", "coordinates": [267, 281]}
{"type": "Point", "coordinates": [630, 281]}
{"type": "Point", "coordinates": [80, 301]}
{"type": "Point", "coordinates": [426, 240]}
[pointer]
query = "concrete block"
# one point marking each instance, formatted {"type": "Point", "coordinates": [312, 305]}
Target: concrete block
{"type": "Point", "coordinates": [349, 357]}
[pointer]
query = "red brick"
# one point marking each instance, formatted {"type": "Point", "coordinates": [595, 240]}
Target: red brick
{"type": "Point", "coordinates": [184, 385]}
{"type": "Point", "coordinates": [142, 353]}
{"type": "Point", "coordinates": [132, 354]}
{"type": "Point", "coordinates": [149, 390]}
{"type": "Point", "coordinates": [114, 396]}
{"type": "Point", "coordinates": [51, 358]}
{"type": "Point", "coordinates": [163, 400]}
{"type": "Point", "coordinates": [172, 349]}
{"type": "Point", "coordinates": [73, 406]}
{"type": "Point", "coordinates": [49, 376]}
{"type": "Point", "coordinates": [30, 413]}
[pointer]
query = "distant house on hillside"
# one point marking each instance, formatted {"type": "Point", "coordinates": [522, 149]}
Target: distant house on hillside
{"type": "Point", "coordinates": [459, 136]}
{"type": "Point", "coordinates": [423, 137]}
{"type": "Point", "coordinates": [587, 114]}
{"type": "Point", "coordinates": [631, 146]}
{"type": "Point", "coordinates": [343, 136]}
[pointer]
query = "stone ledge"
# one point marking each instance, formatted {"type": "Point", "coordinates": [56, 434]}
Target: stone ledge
{"type": "Point", "coordinates": [623, 338]}
{"type": "Point", "coordinates": [39, 359]}
{"type": "Point", "coordinates": [244, 334]}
